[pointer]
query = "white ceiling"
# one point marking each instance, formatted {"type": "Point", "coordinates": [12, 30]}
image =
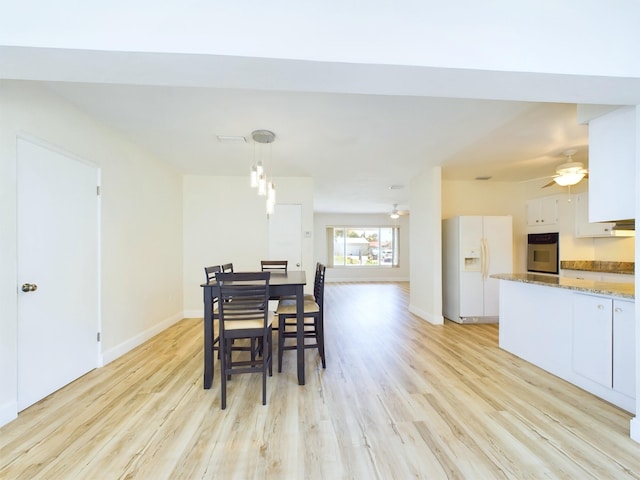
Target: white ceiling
{"type": "Point", "coordinates": [359, 98]}
{"type": "Point", "coordinates": [353, 146]}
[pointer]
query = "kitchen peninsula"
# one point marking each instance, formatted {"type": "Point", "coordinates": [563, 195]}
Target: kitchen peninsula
{"type": "Point", "coordinates": [580, 330]}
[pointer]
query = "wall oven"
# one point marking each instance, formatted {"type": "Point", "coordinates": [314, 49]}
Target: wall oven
{"type": "Point", "coordinates": [542, 253]}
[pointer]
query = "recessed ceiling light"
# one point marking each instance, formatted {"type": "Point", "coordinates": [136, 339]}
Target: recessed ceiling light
{"type": "Point", "coordinates": [231, 139]}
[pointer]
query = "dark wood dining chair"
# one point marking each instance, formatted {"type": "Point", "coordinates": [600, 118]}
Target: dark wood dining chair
{"type": "Point", "coordinates": [227, 267]}
{"type": "Point", "coordinates": [274, 266]}
{"type": "Point", "coordinates": [210, 273]}
{"type": "Point", "coordinates": [313, 309]}
{"type": "Point", "coordinates": [307, 296]}
{"type": "Point", "coordinates": [243, 315]}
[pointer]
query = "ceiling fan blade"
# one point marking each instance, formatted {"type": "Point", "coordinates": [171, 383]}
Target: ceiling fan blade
{"type": "Point", "coordinates": [552, 182]}
{"type": "Point", "coordinates": [535, 179]}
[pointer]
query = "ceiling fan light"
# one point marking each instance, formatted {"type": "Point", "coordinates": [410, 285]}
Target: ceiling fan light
{"type": "Point", "coordinates": [567, 179]}
{"type": "Point", "coordinates": [394, 213]}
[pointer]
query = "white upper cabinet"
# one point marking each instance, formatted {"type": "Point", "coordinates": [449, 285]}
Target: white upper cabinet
{"type": "Point", "coordinates": [542, 211]}
{"type": "Point", "coordinates": [584, 228]}
{"type": "Point", "coordinates": [612, 154]}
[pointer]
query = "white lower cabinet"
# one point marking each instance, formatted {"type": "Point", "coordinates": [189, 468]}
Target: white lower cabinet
{"type": "Point", "coordinates": [593, 338]}
{"type": "Point", "coordinates": [624, 352]}
{"type": "Point", "coordinates": [588, 340]}
{"type": "Point", "coordinates": [604, 341]}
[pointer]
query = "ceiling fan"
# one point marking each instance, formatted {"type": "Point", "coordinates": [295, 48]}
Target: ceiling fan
{"type": "Point", "coordinates": [569, 173]}
{"type": "Point", "coordinates": [395, 213]}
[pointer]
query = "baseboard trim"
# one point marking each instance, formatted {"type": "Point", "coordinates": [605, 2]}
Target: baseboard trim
{"type": "Point", "coordinates": [110, 355]}
{"type": "Point", "coordinates": [193, 313]}
{"type": "Point", "coordinates": [365, 280]}
{"type": "Point", "coordinates": [8, 413]}
{"type": "Point", "coordinates": [429, 317]}
{"type": "Point", "coordinates": [634, 429]}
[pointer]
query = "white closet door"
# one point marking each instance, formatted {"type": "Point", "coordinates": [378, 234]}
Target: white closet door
{"type": "Point", "coordinates": [57, 251]}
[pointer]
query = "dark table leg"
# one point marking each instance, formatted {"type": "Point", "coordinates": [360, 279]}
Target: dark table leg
{"type": "Point", "coordinates": [208, 337]}
{"type": "Point", "coordinates": [300, 332]}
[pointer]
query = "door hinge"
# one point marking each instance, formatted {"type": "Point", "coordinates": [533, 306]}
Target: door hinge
{"type": "Point", "coordinates": [98, 190]}
{"type": "Point", "coordinates": [98, 336]}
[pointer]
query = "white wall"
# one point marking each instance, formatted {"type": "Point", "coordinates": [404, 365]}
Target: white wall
{"type": "Point", "coordinates": [225, 221]}
{"type": "Point", "coordinates": [141, 226]}
{"type": "Point", "coordinates": [425, 299]}
{"type": "Point", "coordinates": [371, 274]}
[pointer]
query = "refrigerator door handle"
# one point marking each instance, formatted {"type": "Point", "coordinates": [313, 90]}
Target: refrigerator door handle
{"type": "Point", "coordinates": [485, 258]}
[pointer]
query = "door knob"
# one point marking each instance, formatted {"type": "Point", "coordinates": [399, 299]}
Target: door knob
{"type": "Point", "coordinates": [29, 287]}
{"type": "Point", "coordinates": [297, 264]}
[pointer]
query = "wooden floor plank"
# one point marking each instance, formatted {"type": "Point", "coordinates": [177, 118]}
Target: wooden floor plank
{"type": "Point", "coordinates": [400, 398]}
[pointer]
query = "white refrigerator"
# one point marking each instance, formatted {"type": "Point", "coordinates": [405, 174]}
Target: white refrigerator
{"type": "Point", "coordinates": [474, 248]}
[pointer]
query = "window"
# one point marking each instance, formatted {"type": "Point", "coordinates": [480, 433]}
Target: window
{"type": "Point", "coordinates": [363, 246]}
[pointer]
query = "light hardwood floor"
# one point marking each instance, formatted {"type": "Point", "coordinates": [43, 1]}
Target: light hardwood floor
{"type": "Point", "coordinates": [400, 399]}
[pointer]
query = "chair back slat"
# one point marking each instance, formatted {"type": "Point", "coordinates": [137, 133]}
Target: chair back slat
{"type": "Point", "coordinates": [274, 266]}
{"type": "Point", "coordinates": [243, 296]}
{"type": "Point", "coordinates": [210, 272]}
{"type": "Point", "coordinates": [227, 267]}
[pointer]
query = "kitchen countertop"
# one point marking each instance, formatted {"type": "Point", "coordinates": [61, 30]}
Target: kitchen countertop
{"type": "Point", "coordinates": [623, 290]}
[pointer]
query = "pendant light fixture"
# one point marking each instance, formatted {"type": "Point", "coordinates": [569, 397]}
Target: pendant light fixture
{"type": "Point", "coordinates": [258, 173]}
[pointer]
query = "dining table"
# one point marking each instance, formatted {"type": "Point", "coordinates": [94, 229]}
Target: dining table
{"type": "Point", "coordinates": [290, 283]}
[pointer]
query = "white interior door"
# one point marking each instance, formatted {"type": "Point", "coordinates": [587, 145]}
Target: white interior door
{"type": "Point", "coordinates": [58, 252]}
{"type": "Point", "coordinates": [285, 235]}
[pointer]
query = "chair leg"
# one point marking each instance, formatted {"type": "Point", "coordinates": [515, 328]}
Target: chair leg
{"type": "Point", "coordinates": [320, 340]}
{"type": "Point", "coordinates": [281, 331]}
{"type": "Point", "coordinates": [265, 367]}
{"type": "Point", "coordinates": [270, 343]}
{"type": "Point", "coordinates": [223, 376]}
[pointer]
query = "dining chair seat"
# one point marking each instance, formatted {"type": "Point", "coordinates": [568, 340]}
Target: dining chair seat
{"type": "Point", "coordinates": [239, 325]}
{"type": "Point", "coordinates": [288, 307]}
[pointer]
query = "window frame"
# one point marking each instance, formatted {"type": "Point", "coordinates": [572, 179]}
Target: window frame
{"type": "Point", "coordinates": [395, 246]}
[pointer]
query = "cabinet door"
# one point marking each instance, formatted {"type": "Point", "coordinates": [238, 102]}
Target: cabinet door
{"type": "Point", "coordinates": [624, 336]}
{"type": "Point", "coordinates": [534, 213]}
{"type": "Point", "coordinates": [542, 211]}
{"type": "Point", "coordinates": [592, 338]}
{"type": "Point", "coordinates": [549, 211]}
{"type": "Point", "coordinates": [583, 227]}
{"type": "Point", "coordinates": [612, 154]}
